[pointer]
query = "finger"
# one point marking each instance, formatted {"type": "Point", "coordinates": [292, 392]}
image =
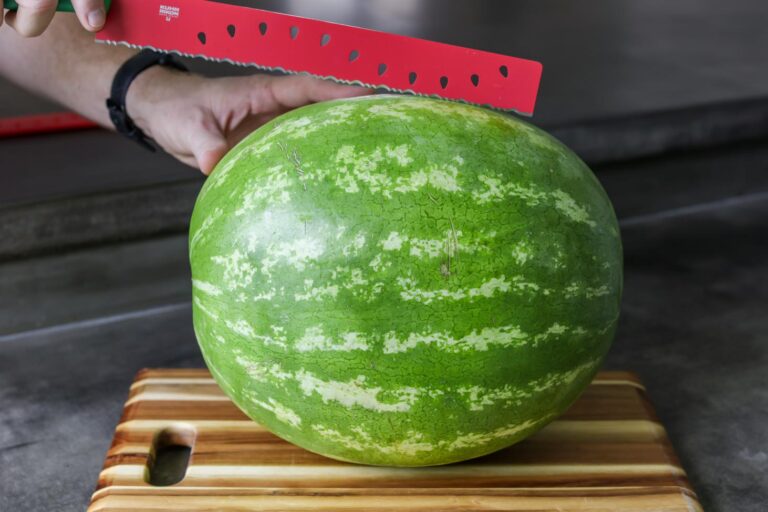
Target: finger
{"type": "Point", "coordinates": [298, 90]}
{"type": "Point", "coordinates": [91, 13]}
{"type": "Point", "coordinates": [32, 17]}
{"type": "Point", "coordinates": [207, 144]}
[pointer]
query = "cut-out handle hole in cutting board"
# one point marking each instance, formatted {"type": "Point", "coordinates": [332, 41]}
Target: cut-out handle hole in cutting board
{"type": "Point", "coordinates": [170, 455]}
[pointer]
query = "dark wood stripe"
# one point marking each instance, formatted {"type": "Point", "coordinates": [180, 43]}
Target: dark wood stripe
{"type": "Point", "coordinates": [270, 450]}
{"type": "Point", "coordinates": [172, 373]}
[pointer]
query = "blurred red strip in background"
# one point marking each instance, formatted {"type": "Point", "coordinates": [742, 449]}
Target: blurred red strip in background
{"type": "Point", "coordinates": [43, 123]}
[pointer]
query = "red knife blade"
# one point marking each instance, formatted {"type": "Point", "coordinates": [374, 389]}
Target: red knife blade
{"type": "Point", "coordinates": [346, 54]}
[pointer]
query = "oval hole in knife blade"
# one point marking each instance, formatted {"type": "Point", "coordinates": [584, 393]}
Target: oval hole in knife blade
{"type": "Point", "coordinates": [231, 30]}
{"type": "Point", "coordinates": [504, 70]}
{"type": "Point", "coordinates": [444, 82]}
{"type": "Point", "coordinates": [294, 32]}
{"type": "Point", "coordinates": [382, 69]}
{"type": "Point", "coordinates": [412, 77]}
{"type": "Point", "coordinates": [263, 28]}
{"type": "Point", "coordinates": [354, 55]}
{"type": "Point", "coordinates": [201, 37]}
{"type": "Point", "coordinates": [169, 455]}
{"type": "Point", "coordinates": [475, 80]}
{"type": "Point", "coordinates": [325, 40]}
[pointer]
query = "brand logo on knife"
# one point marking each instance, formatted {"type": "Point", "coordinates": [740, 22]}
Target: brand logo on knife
{"type": "Point", "coordinates": [169, 11]}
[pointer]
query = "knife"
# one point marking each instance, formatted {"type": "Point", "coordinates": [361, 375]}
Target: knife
{"type": "Point", "coordinates": [274, 41]}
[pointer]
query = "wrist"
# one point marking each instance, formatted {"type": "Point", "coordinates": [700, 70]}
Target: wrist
{"type": "Point", "coordinates": [134, 93]}
{"type": "Point", "coordinates": [148, 91]}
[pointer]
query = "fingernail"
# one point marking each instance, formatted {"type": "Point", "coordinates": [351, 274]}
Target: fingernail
{"type": "Point", "coordinates": [96, 18]}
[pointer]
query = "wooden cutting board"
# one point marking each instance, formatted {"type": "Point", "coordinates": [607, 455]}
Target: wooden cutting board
{"type": "Point", "coordinates": [608, 452]}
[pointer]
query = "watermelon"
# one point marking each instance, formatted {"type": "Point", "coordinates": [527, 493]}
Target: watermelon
{"type": "Point", "coordinates": [403, 281]}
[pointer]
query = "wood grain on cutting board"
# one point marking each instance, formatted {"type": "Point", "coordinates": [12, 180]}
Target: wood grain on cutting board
{"type": "Point", "coordinates": [608, 452]}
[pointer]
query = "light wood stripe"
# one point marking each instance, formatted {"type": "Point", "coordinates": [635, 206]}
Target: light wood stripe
{"type": "Point", "coordinates": [198, 425]}
{"type": "Point", "coordinates": [351, 471]}
{"type": "Point", "coordinates": [159, 396]}
{"type": "Point", "coordinates": [173, 381]}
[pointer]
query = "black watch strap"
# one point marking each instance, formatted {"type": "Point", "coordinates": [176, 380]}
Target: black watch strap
{"type": "Point", "coordinates": [127, 73]}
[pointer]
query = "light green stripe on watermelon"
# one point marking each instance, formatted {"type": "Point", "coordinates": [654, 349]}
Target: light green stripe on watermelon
{"type": "Point", "coordinates": [402, 281]}
{"type": "Point", "coordinates": [315, 338]}
{"type": "Point", "coordinates": [359, 392]}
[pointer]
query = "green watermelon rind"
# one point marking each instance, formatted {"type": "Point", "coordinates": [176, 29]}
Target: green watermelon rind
{"type": "Point", "coordinates": [403, 281]}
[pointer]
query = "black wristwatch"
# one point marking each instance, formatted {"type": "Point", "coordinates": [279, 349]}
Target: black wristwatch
{"type": "Point", "coordinates": [127, 73]}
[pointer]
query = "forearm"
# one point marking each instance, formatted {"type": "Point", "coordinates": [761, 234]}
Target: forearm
{"type": "Point", "coordinates": [65, 65]}
{"type": "Point", "coordinates": [195, 119]}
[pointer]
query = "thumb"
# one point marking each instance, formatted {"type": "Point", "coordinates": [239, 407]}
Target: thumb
{"type": "Point", "coordinates": [208, 145]}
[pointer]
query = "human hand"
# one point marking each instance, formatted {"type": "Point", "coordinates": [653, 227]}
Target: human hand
{"type": "Point", "coordinates": [198, 120]}
{"type": "Point", "coordinates": [33, 16]}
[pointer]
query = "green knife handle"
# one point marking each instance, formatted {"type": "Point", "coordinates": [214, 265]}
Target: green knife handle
{"type": "Point", "coordinates": [64, 5]}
